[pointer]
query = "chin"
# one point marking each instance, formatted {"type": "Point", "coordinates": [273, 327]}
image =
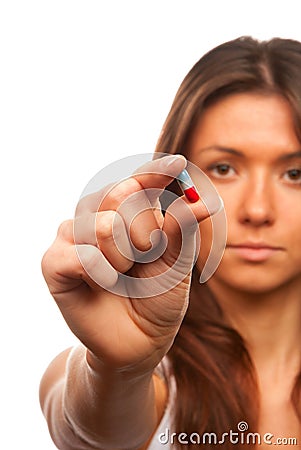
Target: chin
{"type": "Point", "coordinates": [254, 286]}
{"type": "Point", "coordinates": [254, 280]}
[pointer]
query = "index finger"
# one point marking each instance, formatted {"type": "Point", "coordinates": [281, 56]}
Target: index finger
{"type": "Point", "coordinates": [137, 198]}
{"type": "Point", "coordinates": [159, 173]}
{"type": "Point", "coordinates": [156, 173]}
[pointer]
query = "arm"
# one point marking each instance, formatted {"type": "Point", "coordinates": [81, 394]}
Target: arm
{"type": "Point", "coordinates": [104, 394]}
{"type": "Point", "coordinates": [78, 401]}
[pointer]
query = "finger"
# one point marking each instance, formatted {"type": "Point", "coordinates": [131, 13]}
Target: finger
{"type": "Point", "coordinates": [156, 173]}
{"type": "Point", "coordinates": [181, 227]}
{"type": "Point", "coordinates": [113, 241]}
{"type": "Point", "coordinates": [159, 173]}
{"type": "Point", "coordinates": [137, 199]}
{"type": "Point", "coordinates": [66, 266]}
{"type": "Point", "coordinates": [129, 199]}
{"type": "Point", "coordinates": [91, 202]}
{"type": "Point", "coordinates": [96, 267]}
{"type": "Point", "coordinates": [107, 231]}
{"type": "Point", "coordinates": [65, 231]}
{"type": "Point", "coordinates": [141, 220]}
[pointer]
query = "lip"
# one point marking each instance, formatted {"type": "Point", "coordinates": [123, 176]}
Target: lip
{"type": "Point", "coordinates": [254, 251]}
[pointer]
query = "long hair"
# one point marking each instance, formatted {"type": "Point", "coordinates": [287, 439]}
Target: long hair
{"type": "Point", "coordinates": [214, 374]}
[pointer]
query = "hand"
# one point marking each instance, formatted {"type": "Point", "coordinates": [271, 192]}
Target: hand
{"type": "Point", "coordinates": [125, 324]}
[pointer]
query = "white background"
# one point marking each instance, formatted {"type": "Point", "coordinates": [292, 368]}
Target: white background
{"type": "Point", "coordinates": [83, 83]}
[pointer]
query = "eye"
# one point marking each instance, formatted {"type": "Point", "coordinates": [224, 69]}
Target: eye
{"type": "Point", "coordinates": [221, 170]}
{"type": "Point", "coordinates": [293, 175]}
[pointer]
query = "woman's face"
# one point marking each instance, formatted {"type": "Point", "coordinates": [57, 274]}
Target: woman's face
{"type": "Point", "coordinates": [247, 145]}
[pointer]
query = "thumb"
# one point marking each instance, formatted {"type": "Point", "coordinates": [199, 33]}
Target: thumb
{"type": "Point", "coordinates": [181, 230]}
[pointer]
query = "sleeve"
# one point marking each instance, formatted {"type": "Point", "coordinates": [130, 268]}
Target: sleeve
{"type": "Point", "coordinates": [162, 438]}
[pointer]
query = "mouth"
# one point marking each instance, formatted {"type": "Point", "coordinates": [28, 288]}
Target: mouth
{"type": "Point", "coordinates": [254, 251]}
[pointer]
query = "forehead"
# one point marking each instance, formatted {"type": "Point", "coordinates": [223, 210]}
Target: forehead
{"type": "Point", "coordinates": [245, 122]}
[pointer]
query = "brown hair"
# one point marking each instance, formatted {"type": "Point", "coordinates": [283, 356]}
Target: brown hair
{"type": "Point", "coordinates": [215, 378]}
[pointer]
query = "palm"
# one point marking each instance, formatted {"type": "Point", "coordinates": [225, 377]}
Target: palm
{"type": "Point", "coordinates": [124, 330]}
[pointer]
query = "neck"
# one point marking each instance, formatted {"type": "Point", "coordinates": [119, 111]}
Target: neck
{"type": "Point", "coordinates": [269, 322]}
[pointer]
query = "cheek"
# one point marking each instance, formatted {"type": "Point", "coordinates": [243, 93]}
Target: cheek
{"type": "Point", "coordinates": [232, 202]}
{"type": "Point", "coordinates": [290, 233]}
{"type": "Point", "coordinates": [289, 220]}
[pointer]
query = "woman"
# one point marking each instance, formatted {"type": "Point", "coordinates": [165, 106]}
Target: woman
{"type": "Point", "coordinates": [231, 376]}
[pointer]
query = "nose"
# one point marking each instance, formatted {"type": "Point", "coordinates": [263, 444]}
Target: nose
{"type": "Point", "coordinates": [257, 206]}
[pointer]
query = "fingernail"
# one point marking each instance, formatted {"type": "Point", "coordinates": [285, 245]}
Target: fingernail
{"type": "Point", "coordinates": [168, 161]}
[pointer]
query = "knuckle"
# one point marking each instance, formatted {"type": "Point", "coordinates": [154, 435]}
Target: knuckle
{"type": "Point", "coordinates": [44, 262]}
{"type": "Point", "coordinates": [49, 261]}
{"type": "Point", "coordinates": [122, 191]}
{"type": "Point", "coordinates": [105, 224]}
{"type": "Point", "coordinates": [65, 229]}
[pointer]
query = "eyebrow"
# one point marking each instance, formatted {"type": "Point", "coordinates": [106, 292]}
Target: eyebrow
{"type": "Point", "coordinates": [232, 151]}
{"type": "Point", "coordinates": [223, 149]}
{"type": "Point", "coordinates": [291, 156]}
